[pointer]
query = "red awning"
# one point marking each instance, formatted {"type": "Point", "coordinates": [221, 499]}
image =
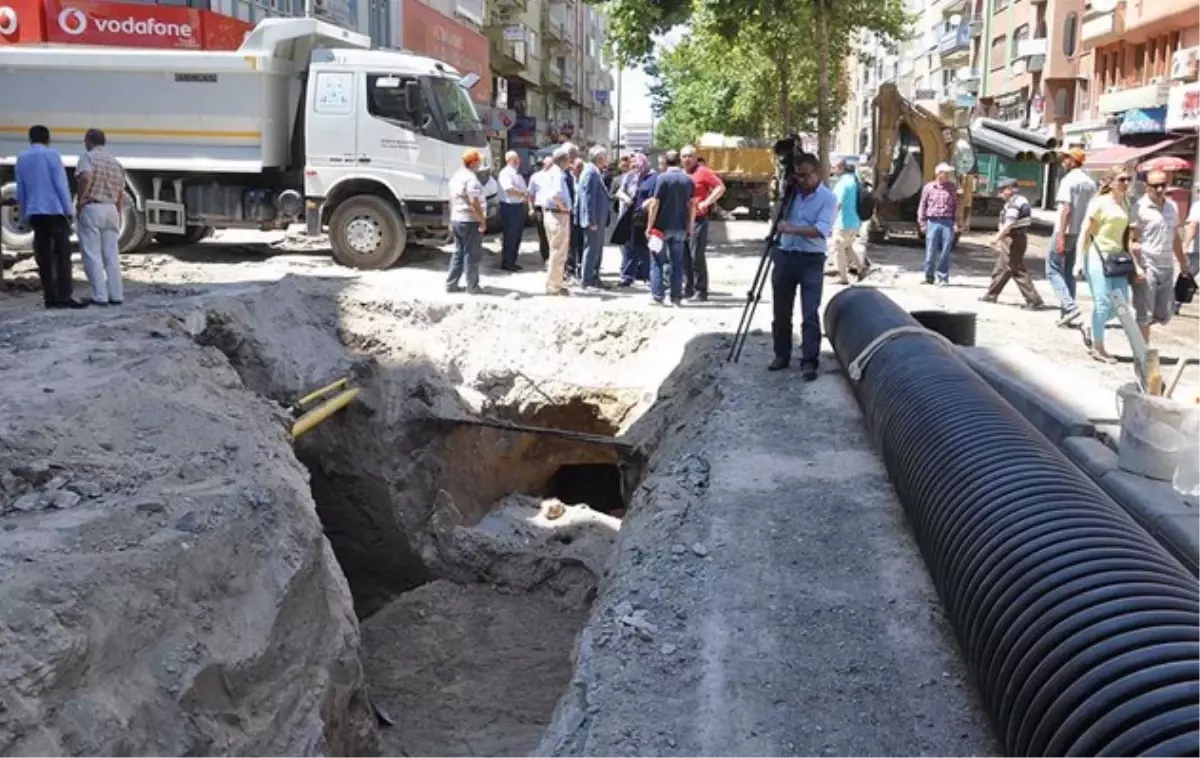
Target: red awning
{"type": "Point", "coordinates": [1120, 155]}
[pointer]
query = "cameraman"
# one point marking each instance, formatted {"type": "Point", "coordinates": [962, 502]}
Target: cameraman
{"type": "Point", "coordinates": [799, 259]}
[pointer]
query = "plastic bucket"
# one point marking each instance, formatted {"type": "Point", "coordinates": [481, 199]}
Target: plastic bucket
{"type": "Point", "coordinates": [1150, 433]}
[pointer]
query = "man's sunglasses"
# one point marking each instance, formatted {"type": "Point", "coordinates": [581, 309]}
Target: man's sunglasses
{"type": "Point", "coordinates": [1124, 179]}
{"type": "Point", "coordinates": [1157, 185]}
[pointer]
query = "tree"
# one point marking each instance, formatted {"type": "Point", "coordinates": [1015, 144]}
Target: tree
{"type": "Point", "coordinates": [768, 59]}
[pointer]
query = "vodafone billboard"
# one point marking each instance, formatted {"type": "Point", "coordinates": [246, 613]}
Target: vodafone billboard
{"type": "Point", "coordinates": [89, 22]}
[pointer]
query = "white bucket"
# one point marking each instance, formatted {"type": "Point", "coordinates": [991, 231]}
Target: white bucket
{"type": "Point", "coordinates": [1150, 433]}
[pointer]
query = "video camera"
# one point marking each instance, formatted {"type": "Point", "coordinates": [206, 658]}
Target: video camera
{"type": "Point", "coordinates": [786, 151]}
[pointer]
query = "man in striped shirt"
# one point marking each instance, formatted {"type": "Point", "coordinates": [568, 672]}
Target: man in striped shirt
{"type": "Point", "coordinates": [1012, 242]}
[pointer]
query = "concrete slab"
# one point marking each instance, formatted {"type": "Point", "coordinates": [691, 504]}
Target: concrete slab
{"type": "Point", "coordinates": [1173, 519]}
{"type": "Point", "coordinates": [1090, 454]}
{"type": "Point", "coordinates": [1055, 414]}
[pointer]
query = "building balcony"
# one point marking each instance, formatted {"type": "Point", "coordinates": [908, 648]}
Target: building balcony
{"type": "Point", "coordinates": [553, 74]}
{"type": "Point", "coordinates": [555, 24]}
{"type": "Point", "coordinates": [955, 44]}
{"type": "Point", "coordinates": [1134, 98]}
{"type": "Point", "coordinates": [953, 7]}
{"type": "Point", "coordinates": [968, 79]}
{"type": "Point", "coordinates": [1098, 28]}
{"type": "Point", "coordinates": [1033, 53]}
{"type": "Point", "coordinates": [975, 26]}
{"type": "Point", "coordinates": [569, 79]}
{"type": "Point", "coordinates": [509, 48]}
{"type": "Point", "coordinates": [472, 10]}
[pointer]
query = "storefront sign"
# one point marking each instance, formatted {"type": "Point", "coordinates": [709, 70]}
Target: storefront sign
{"type": "Point", "coordinates": [91, 22]}
{"type": "Point", "coordinates": [1183, 107]}
{"type": "Point", "coordinates": [430, 33]}
{"type": "Point", "coordinates": [1143, 121]}
{"type": "Point", "coordinates": [523, 133]}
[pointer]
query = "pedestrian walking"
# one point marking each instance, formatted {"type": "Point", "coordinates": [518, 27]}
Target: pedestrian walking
{"type": "Point", "coordinates": [799, 260]}
{"type": "Point", "coordinates": [100, 200]}
{"type": "Point", "coordinates": [44, 203]}
{"type": "Point", "coordinates": [708, 188]}
{"type": "Point", "coordinates": [1157, 249]}
{"type": "Point", "coordinates": [1075, 192]}
{"type": "Point", "coordinates": [1103, 255]}
{"type": "Point", "coordinates": [555, 201]}
{"type": "Point", "coordinates": [670, 214]}
{"type": "Point", "coordinates": [535, 182]}
{"type": "Point", "coordinates": [592, 206]}
{"type": "Point", "coordinates": [468, 221]}
{"type": "Point", "coordinates": [514, 198]}
{"type": "Point", "coordinates": [846, 223]}
{"type": "Point", "coordinates": [937, 218]}
{"type": "Point", "coordinates": [1011, 242]}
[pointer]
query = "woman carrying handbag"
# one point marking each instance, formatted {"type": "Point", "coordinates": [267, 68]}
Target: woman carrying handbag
{"type": "Point", "coordinates": [1104, 257]}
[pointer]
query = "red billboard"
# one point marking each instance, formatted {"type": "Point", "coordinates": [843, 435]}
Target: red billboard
{"type": "Point", "coordinates": [94, 22]}
{"type": "Point", "coordinates": [428, 32]}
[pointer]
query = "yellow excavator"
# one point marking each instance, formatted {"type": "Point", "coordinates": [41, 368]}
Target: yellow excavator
{"type": "Point", "coordinates": [909, 143]}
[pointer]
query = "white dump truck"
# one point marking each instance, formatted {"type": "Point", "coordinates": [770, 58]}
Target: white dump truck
{"type": "Point", "coordinates": [304, 118]}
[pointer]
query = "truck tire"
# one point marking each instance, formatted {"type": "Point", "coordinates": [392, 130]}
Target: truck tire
{"type": "Point", "coordinates": [193, 235]}
{"type": "Point", "coordinates": [367, 232]}
{"type": "Point", "coordinates": [133, 234]}
{"type": "Point", "coordinates": [15, 236]}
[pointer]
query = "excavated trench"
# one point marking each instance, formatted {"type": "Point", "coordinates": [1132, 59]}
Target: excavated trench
{"type": "Point", "coordinates": [473, 507]}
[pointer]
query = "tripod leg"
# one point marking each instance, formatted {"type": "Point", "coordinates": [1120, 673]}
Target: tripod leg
{"type": "Point", "coordinates": [752, 306]}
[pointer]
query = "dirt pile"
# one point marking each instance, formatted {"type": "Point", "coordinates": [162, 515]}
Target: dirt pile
{"type": "Point", "coordinates": [167, 587]}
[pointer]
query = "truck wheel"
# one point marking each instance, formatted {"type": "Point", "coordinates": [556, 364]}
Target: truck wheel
{"type": "Point", "coordinates": [366, 232]}
{"type": "Point", "coordinates": [15, 235]}
{"type": "Point", "coordinates": [193, 235]}
{"type": "Point", "coordinates": [133, 232]}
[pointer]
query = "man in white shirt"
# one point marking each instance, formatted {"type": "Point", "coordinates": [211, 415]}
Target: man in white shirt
{"type": "Point", "coordinates": [1075, 191]}
{"type": "Point", "coordinates": [514, 197]}
{"type": "Point", "coordinates": [555, 201]}
{"type": "Point", "coordinates": [468, 221]}
{"type": "Point", "coordinates": [536, 182]}
{"type": "Point", "coordinates": [1157, 250]}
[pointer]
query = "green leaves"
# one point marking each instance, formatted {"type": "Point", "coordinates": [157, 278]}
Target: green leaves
{"type": "Point", "coordinates": [746, 67]}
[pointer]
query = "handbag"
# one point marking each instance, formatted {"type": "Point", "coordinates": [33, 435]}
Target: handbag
{"type": "Point", "coordinates": [1117, 264]}
{"type": "Point", "coordinates": [1185, 288]}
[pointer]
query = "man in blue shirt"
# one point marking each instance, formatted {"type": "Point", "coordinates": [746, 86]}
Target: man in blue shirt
{"type": "Point", "coordinates": [847, 223]}
{"type": "Point", "coordinates": [45, 205]}
{"type": "Point", "coordinates": [671, 211]}
{"type": "Point", "coordinates": [799, 259]}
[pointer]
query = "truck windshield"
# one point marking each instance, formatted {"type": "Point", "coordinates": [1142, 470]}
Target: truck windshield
{"type": "Point", "coordinates": [456, 107]}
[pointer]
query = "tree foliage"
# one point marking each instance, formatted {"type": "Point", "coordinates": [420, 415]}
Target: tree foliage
{"type": "Point", "coordinates": [747, 67]}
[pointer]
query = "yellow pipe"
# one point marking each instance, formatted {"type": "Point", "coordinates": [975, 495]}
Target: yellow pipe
{"type": "Point", "coordinates": [323, 411]}
{"type": "Point", "coordinates": [321, 393]}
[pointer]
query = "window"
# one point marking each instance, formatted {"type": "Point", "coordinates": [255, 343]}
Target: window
{"type": "Point", "coordinates": [1060, 105]}
{"type": "Point", "coordinates": [1070, 31]}
{"type": "Point", "coordinates": [1081, 100]}
{"type": "Point", "coordinates": [457, 108]}
{"type": "Point", "coordinates": [1022, 33]}
{"type": "Point", "coordinates": [400, 101]}
{"type": "Point", "coordinates": [998, 45]}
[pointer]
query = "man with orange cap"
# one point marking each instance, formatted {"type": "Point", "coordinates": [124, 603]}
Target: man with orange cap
{"type": "Point", "coordinates": [1075, 190]}
{"type": "Point", "coordinates": [468, 221]}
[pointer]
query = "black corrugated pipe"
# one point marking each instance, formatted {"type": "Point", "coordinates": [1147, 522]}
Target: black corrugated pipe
{"type": "Point", "coordinates": [1081, 631]}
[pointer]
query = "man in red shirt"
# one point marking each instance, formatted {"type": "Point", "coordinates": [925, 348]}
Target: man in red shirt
{"type": "Point", "coordinates": [709, 189]}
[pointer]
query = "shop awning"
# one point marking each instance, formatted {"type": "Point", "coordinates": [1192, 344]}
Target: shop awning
{"type": "Point", "coordinates": [1009, 148]}
{"type": "Point", "coordinates": [1121, 155]}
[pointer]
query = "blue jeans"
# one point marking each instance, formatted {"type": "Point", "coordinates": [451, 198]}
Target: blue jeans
{"type": "Point", "coordinates": [468, 251]}
{"type": "Point", "coordinates": [672, 256]}
{"type": "Point", "coordinates": [1101, 286]}
{"type": "Point", "coordinates": [1060, 271]}
{"type": "Point", "coordinates": [805, 272]}
{"type": "Point", "coordinates": [635, 261]}
{"type": "Point", "coordinates": [939, 241]}
{"type": "Point", "coordinates": [696, 272]}
{"type": "Point", "coordinates": [593, 250]}
{"type": "Point", "coordinates": [512, 222]}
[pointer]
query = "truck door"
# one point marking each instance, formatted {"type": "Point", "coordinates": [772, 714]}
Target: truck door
{"type": "Point", "coordinates": [392, 139]}
{"type": "Point", "coordinates": [330, 154]}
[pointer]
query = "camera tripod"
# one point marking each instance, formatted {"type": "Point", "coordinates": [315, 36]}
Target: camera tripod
{"type": "Point", "coordinates": [760, 276]}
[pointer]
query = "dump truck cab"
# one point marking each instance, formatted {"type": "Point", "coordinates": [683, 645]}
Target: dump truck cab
{"type": "Point", "coordinates": [909, 144]}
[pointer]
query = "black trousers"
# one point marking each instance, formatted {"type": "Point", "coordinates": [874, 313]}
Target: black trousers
{"type": "Point", "coordinates": [543, 242]}
{"type": "Point", "coordinates": [575, 256]}
{"type": "Point", "coordinates": [52, 249]}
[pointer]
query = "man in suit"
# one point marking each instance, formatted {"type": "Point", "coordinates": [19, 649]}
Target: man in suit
{"type": "Point", "coordinates": [592, 206]}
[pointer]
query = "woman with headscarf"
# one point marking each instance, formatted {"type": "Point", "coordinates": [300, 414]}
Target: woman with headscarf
{"type": "Point", "coordinates": [630, 231]}
{"type": "Point", "coordinates": [1103, 255]}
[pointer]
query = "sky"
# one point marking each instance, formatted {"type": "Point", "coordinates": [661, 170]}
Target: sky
{"type": "Point", "coordinates": [635, 99]}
